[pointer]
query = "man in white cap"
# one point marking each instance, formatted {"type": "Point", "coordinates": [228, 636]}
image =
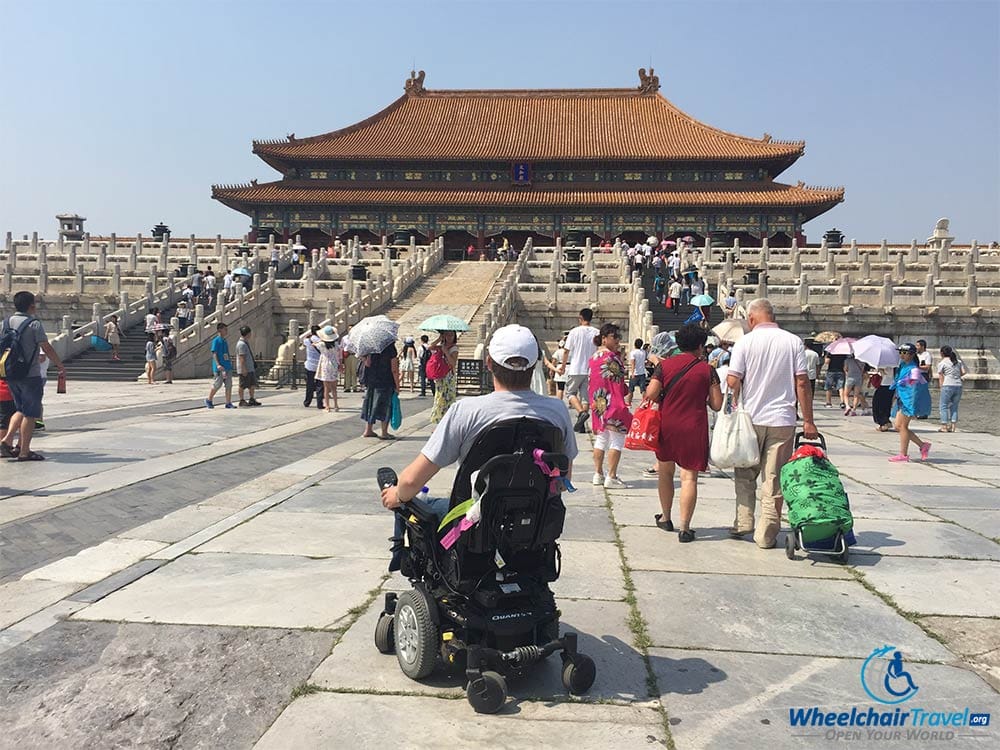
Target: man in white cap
{"type": "Point", "coordinates": [512, 355]}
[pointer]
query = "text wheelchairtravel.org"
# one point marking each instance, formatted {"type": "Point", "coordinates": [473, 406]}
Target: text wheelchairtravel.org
{"type": "Point", "coordinates": [867, 724]}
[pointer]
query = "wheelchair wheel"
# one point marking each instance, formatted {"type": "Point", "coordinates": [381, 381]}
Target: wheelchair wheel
{"type": "Point", "coordinates": [487, 693]}
{"type": "Point", "coordinates": [579, 673]}
{"type": "Point", "coordinates": [790, 545]}
{"type": "Point", "coordinates": [385, 641]}
{"type": "Point", "coordinates": [415, 635]}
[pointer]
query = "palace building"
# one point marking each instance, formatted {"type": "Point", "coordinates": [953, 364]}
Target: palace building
{"type": "Point", "coordinates": [480, 164]}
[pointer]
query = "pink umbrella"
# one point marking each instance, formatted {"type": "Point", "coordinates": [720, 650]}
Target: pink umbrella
{"type": "Point", "coordinates": [669, 242]}
{"type": "Point", "coordinates": [841, 346]}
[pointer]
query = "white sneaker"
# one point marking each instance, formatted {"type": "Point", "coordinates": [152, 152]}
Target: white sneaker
{"type": "Point", "coordinates": [598, 479]}
{"type": "Point", "coordinates": [613, 483]}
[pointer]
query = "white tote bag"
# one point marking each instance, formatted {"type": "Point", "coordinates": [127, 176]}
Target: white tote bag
{"type": "Point", "coordinates": [734, 440]}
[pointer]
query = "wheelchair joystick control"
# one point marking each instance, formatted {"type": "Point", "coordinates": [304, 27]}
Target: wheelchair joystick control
{"type": "Point", "coordinates": [386, 477]}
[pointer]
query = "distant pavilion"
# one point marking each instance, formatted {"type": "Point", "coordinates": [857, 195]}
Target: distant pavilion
{"type": "Point", "coordinates": [480, 164]}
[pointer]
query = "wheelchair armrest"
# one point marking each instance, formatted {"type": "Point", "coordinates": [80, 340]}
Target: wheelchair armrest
{"type": "Point", "coordinates": [416, 508]}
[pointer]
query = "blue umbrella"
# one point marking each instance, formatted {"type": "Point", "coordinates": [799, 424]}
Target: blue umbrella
{"type": "Point", "coordinates": [444, 323]}
{"type": "Point", "coordinates": [242, 272]}
{"type": "Point", "coordinates": [702, 300]}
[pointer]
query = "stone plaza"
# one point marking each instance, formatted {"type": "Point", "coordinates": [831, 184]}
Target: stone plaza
{"type": "Point", "coordinates": [178, 577]}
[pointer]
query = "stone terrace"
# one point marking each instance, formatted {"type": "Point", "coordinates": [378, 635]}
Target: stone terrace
{"type": "Point", "coordinates": [216, 583]}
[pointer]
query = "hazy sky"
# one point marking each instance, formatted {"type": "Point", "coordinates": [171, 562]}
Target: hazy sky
{"type": "Point", "coordinates": [127, 112]}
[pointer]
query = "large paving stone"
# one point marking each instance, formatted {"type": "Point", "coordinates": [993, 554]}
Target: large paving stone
{"type": "Point", "coordinates": [934, 497]}
{"type": "Point", "coordinates": [923, 539]}
{"type": "Point", "coordinates": [934, 586]}
{"type": "Point", "coordinates": [725, 700]}
{"type": "Point", "coordinates": [18, 599]}
{"type": "Point", "coordinates": [780, 615]}
{"type": "Point", "coordinates": [153, 686]}
{"type": "Point", "coordinates": [251, 590]}
{"type": "Point", "coordinates": [709, 513]}
{"type": "Point", "coordinates": [904, 476]}
{"type": "Point", "coordinates": [650, 548]}
{"type": "Point", "coordinates": [327, 720]}
{"type": "Point", "coordinates": [872, 505]}
{"type": "Point", "coordinates": [356, 496]}
{"type": "Point", "coordinates": [588, 523]}
{"type": "Point", "coordinates": [590, 570]}
{"type": "Point", "coordinates": [97, 562]}
{"type": "Point", "coordinates": [586, 493]}
{"type": "Point", "coordinates": [178, 525]}
{"type": "Point", "coordinates": [970, 636]}
{"type": "Point", "coordinates": [355, 664]}
{"type": "Point", "coordinates": [985, 522]}
{"type": "Point", "coordinates": [309, 535]}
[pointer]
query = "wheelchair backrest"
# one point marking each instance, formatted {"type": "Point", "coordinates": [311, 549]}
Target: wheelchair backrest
{"type": "Point", "coordinates": [520, 510]}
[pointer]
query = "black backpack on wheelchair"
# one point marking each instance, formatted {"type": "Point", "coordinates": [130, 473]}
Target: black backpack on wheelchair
{"type": "Point", "coordinates": [484, 604]}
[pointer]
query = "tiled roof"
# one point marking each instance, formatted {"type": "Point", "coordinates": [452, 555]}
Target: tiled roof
{"type": "Point", "coordinates": [532, 125]}
{"type": "Point", "coordinates": [304, 193]}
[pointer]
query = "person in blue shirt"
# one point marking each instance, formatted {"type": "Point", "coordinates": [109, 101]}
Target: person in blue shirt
{"type": "Point", "coordinates": [912, 399]}
{"type": "Point", "coordinates": [222, 368]}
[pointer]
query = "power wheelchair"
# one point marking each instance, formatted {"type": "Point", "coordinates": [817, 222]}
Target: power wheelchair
{"type": "Point", "coordinates": [484, 604]}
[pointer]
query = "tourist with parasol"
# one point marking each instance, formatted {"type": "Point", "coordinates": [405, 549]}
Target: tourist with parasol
{"type": "Point", "coordinates": [879, 353]}
{"type": "Point", "coordinates": [373, 340]}
{"type": "Point", "coordinates": [443, 361]}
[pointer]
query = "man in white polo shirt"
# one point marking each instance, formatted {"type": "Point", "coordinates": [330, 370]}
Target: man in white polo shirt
{"type": "Point", "coordinates": [580, 347]}
{"type": "Point", "coordinates": [768, 368]}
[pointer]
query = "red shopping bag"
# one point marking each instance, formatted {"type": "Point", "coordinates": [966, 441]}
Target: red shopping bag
{"type": "Point", "coordinates": [669, 303]}
{"type": "Point", "coordinates": [644, 432]}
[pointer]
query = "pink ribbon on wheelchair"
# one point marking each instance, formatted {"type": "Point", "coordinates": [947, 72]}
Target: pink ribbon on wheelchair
{"type": "Point", "coordinates": [449, 539]}
{"type": "Point", "coordinates": [558, 482]}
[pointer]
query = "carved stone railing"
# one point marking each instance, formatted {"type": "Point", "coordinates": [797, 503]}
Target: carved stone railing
{"type": "Point", "coordinates": [70, 342]}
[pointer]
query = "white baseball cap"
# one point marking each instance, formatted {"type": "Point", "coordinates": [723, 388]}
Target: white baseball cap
{"type": "Point", "coordinates": [512, 342]}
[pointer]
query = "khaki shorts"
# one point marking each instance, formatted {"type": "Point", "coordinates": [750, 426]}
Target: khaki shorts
{"type": "Point", "coordinates": [578, 385]}
{"type": "Point", "coordinates": [223, 377]}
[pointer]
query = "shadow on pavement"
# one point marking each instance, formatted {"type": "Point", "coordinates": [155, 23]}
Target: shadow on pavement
{"type": "Point", "coordinates": [88, 457]}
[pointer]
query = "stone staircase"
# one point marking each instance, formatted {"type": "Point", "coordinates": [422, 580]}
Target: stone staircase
{"type": "Point", "coordinates": [417, 294]}
{"type": "Point", "coordinates": [92, 365]}
{"type": "Point", "coordinates": [666, 319]}
{"type": "Point", "coordinates": [467, 344]}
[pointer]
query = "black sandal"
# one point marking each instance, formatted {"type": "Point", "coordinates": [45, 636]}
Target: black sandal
{"type": "Point", "coordinates": [685, 535]}
{"type": "Point", "coordinates": [32, 456]}
{"type": "Point", "coordinates": [667, 525]}
{"type": "Point", "coordinates": [9, 451]}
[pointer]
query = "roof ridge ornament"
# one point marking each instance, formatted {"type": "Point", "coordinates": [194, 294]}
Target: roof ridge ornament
{"type": "Point", "coordinates": [648, 84]}
{"type": "Point", "coordinates": [414, 85]}
{"type": "Point", "coordinates": [766, 138]}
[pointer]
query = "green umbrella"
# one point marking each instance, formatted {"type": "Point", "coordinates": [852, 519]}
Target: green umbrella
{"type": "Point", "coordinates": [444, 323]}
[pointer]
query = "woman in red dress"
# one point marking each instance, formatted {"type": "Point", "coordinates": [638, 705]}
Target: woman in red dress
{"type": "Point", "coordinates": [687, 383]}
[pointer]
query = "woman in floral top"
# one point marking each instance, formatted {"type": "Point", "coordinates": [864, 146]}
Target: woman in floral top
{"type": "Point", "coordinates": [610, 415]}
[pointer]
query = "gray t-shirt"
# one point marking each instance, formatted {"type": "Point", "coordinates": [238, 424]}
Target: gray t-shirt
{"type": "Point", "coordinates": [467, 419]}
{"type": "Point", "coordinates": [852, 369]}
{"type": "Point", "coordinates": [243, 349]}
{"type": "Point", "coordinates": [31, 337]}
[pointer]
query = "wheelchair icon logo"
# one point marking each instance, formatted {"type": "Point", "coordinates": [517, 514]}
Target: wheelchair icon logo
{"type": "Point", "coordinates": [884, 677]}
